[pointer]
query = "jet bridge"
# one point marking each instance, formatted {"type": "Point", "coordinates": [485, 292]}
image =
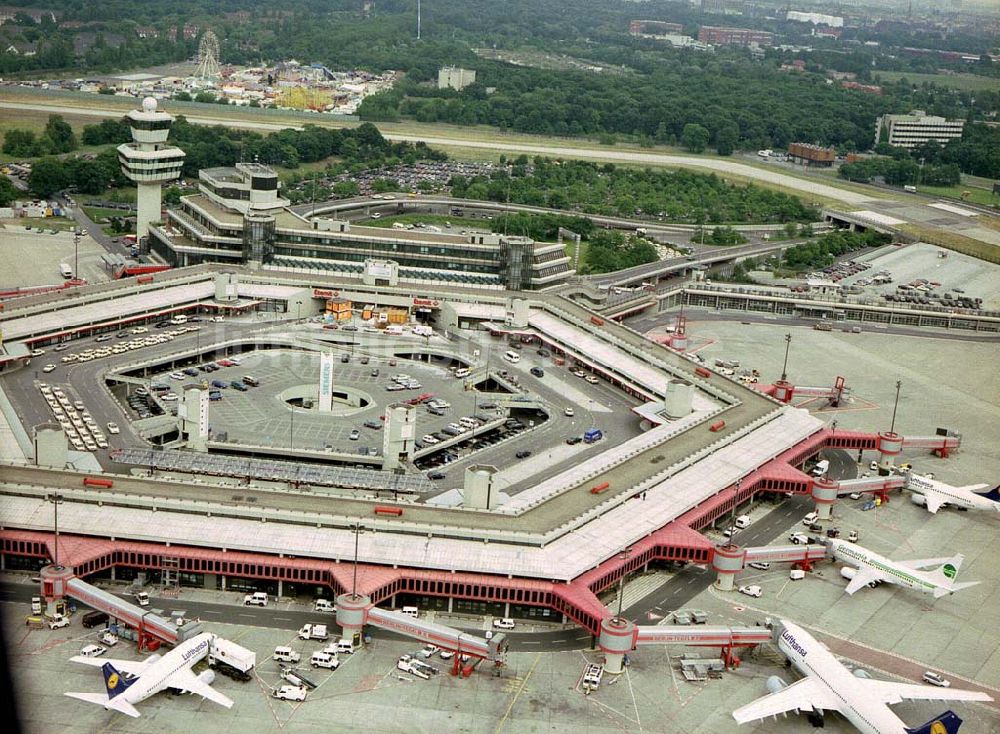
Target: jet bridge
{"type": "Point", "coordinates": [729, 559]}
{"type": "Point", "coordinates": [152, 628]}
{"type": "Point", "coordinates": [354, 613]}
{"type": "Point", "coordinates": [620, 636]}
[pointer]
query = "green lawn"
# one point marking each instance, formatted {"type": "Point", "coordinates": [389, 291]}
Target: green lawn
{"type": "Point", "coordinates": [976, 195]}
{"type": "Point", "coordinates": [963, 82]}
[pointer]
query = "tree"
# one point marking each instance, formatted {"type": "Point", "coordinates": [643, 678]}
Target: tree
{"type": "Point", "coordinates": [48, 176]}
{"type": "Point", "coordinates": [60, 135]}
{"type": "Point", "coordinates": [182, 96]}
{"type": "Point", "coordinates": [20, 143]}
{"type": "Point", "coordinates": [694, 137]}
{"type": "Point", "coordinates": [727, 138]}
{"type": "Point", "coordinates": [8, 192]}
{"type": "Point", "coordinates": [172, 196]}
{"type": "Point", "coordinates": [204, 96]}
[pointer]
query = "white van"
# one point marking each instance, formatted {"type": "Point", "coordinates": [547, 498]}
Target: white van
{"type": "Point", "coordinates": [796, 574]}
{"type": "Point", "coordinates": [323, 659]}
{"type": "Point", "coordinates": [821, 468]}
{"type": "Point", "coordinates": [463, 372]}
{"type": "Point", "coordinates": [324, 605]}
{"type": "Point", "coordinates": [286, 654]}
{"type": "Point", "coordinates": [345, 646]}
{"type": "Point", "coordinates": [743, 521]}
{"type": "Point", "coordinates": [410, 611]}
{"type": "Point", "coordinates": [179, 319]}
{"type": "Point", "coordinates": [810, 518]}
{"type": "Point", "coordinates": [512, 357]}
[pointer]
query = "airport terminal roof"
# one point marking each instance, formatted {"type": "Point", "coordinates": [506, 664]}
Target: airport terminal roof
{"type": "Point", "coordinates": [565, 558]}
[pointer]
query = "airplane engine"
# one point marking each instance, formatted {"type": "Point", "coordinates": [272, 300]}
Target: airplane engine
{"type": "Point", "coordinates": [775, 684]}
{"type": "Point", "coordinates": [861, 673]}
{"type": "Point", "coordinates": [207, 677]}
{"type": "Point", "coordinates": [153, 658]}
{"type": "Point", "coordinates": [918, 499]}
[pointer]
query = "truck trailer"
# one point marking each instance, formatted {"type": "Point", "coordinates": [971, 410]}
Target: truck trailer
{"type": "Point", "coordinates": [231, 659]}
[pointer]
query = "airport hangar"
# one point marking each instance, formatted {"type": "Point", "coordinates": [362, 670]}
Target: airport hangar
{"type": "Point", "coordinates": [711, 445]}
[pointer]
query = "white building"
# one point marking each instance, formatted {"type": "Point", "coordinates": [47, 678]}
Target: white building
{"type": "Point", "coordinates": [834, 21]}
{"type": "Point", "coordinates": [455, 77]}
{"type": "Point", "coordinates": [916, 128]}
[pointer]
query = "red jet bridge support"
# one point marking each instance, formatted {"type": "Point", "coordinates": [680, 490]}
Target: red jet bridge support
{"type": "Point", "coordinates": [784, 391]}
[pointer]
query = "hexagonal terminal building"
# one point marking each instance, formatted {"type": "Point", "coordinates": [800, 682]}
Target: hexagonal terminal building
{"type": "Point", "coordinates": [149, 161]}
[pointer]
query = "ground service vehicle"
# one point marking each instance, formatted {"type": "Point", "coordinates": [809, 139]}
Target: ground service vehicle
{"type": "Point", "coordinates": [289, 693]}
{"type": "Point", "coordinates": [284, 654]}
{"type": "Point", "coordinates": [256, 599]}
{"type": "Point", "coordinates": [324, 605]}
{"type": "Point", "coordinates": [322, 659]}
{"type": "Point", "coordinates": [593, 435]}
{"type": "Point", "coordinates": [141, 598]}
{"type": "Point", "coordinates": [232, 660]}
{"type": "Point", "coordinates": [313, 632]}
{"type": "Point", "coordinates": [58, 621]}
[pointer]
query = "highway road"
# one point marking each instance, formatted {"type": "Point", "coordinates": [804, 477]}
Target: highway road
{"type": "Point", "coordinates": [735, 168]}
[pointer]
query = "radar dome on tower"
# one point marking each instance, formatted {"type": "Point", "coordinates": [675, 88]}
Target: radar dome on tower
{"type": "Point", "coordinates": [149, 104]}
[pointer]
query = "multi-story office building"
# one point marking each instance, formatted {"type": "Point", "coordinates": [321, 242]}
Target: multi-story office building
{"type": "Point", "coordinates": [916, 128]}
{"type": "Point", "coordinates": [239, 216]}
{"type": "Point", "coordinates": [734, 36]}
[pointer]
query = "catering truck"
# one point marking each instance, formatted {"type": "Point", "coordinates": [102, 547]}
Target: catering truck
{"type": "Point", "coordinates": [231, 659]}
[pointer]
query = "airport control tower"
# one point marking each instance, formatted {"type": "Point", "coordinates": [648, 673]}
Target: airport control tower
{"type": "Point", "coordinates": [149, 161]}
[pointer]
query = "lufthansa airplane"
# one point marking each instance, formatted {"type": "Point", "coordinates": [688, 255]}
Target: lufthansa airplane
{"type": "Point", "coordinates": [128, 682]}
{"type": "Point", "coordinates": [829, 686]}
{"type": "Point", "coordinates": [934, 495]}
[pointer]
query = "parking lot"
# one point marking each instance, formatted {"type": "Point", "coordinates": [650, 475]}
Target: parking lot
{"type": "Point", "coordinates": [33, 258]}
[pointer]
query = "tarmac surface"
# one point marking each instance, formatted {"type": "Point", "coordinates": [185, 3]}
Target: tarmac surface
{"type": "Point", "coordinates": [33, 258]}
{"type": "Point", "coordinates": [893, 632]}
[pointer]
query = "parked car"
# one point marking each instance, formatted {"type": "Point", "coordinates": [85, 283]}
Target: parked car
{"type": "Point", "coordinates": [935, 679]}
{"type": "Point", "coordinates": [523, 454]}
{"type": "Point", "coordinates": [355, 434]}
{"type": "Point", "coordinates": [93, 651]}
{"type": "Point", "coordinates": [537, 372]}
{"type": "Point", "coordinates": [504, 623]}
{"type": "Point", "coordinates": [754, 591]}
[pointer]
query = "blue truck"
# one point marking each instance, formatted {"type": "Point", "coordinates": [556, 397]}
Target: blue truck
{"type": "Point", "coordinates": [592, 435]}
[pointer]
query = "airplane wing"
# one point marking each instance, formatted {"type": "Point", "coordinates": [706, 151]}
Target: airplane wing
{"type": "Point", "coordinates": [918, 563]}
{"type": "Point", "coordinates": [187, 681]}
{"type": "Point", "coordinates": [933, 501]}
{"type": "Point", "coordinates": [803, 695]}
{"type": "Point", "coordinates": [132, 667]}
{"type": "Point", "coordinates": [891, 693]}
{"type": "Point", "coordinates": [863, 577]}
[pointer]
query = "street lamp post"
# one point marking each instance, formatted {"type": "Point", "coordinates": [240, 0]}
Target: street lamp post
{"type": "Point", "coordinates": [76, 254]}
{"type": "Point", "coordinates": [291, 428]}
{"type": "Point", "coordinates": [621, 584]}
{"type": "Point", "coordinates": [892, 426]}
{"type": "Point", "coordinates": [358, 529]}
{"type": "Point", "coordinates": [56, 499]}
{"type": "Point", "coordinates": [784, 366]}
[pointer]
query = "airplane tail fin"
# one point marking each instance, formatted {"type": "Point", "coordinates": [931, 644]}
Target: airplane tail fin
{"type": "Point", "coordinates": [993, 494]}
{"type": "Point", "coordinates": [947, 572]}
{"type": "Point", "coordinates": [114, 682]}
{"type": "Point", "coordinates": [946, 723]}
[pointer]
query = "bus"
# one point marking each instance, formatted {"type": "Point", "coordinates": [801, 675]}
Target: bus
{"type": "Point", "coordinates": [66, 270]}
